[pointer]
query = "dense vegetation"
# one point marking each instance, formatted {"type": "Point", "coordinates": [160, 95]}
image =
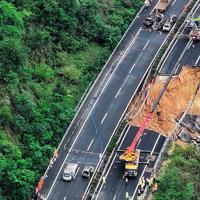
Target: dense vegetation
{"type": "Point", "coordinates": [50, 50]}
{"type": "Point", "coordinates": [180, 178]}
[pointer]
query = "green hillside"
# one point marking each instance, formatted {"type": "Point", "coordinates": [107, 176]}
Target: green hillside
{"type": "Point", "coordinates": [50, 50]}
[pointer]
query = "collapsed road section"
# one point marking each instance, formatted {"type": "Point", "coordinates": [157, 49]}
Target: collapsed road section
{"type": "Point", "coordinates": [176, 106]}
{"type": "Point", "coordinates": [174, 101]}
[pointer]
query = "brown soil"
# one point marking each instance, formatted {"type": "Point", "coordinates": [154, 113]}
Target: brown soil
{"type": "Point", "coordinates": [174, 101]}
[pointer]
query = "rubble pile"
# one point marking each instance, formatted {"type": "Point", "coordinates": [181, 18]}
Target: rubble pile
{"type": "Point", "coordinates": [173, 103]}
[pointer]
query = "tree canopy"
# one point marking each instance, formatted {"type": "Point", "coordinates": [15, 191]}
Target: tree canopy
{"type": "Point", "coordinates": [50, 50]}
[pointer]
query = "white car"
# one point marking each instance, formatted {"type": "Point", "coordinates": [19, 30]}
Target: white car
{"type": "Point", "coordinates": [167, 26]}
{"type": "Point", "coordinates": [70, 171]}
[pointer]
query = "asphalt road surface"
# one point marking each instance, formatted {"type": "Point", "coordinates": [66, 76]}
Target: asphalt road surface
{"type": "Point", "coordinates": [184, 51]}
{"type": "Point", "coordinates": [115, 187]}
{"type": "Point", "coordinates": [92, 137]}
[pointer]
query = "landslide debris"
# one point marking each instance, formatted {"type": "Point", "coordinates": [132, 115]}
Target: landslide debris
{"type": "Point", "coordinates": [173, 103]}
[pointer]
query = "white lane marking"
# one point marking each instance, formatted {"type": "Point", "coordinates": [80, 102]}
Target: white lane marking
{"type": "Point", "coordinates": [124, 137]}
{"type": "Point", "coordinates": [90, 144]}
{"type": "Point", "coordinates": [76, 172]}
{"type": "Point", "coordinates": [154, 7]}
{"type": "Point", "coordinates": [118, 93]}
{"type": "Point", "coordinates": [146, 45]}
{"type": "Point", "coordinates": [166, 57]}
{"type": "Point", "coordinates": [132, 68]}
{"type": "Point", "coordinates": [190, 44]}
{"type": "Point", "coordinates": [104, 118]}
{"type": "Point", "coordinates": [177, 68]}
{"type": "Point", "coordinates": [111, 164]}
{"type": "Point", "coordinates": [139, 142]}
{"type": "Point", "coordinates": [128, 49]}
{"type": "Point", "coordinates": [124, 113]}
{"type": "Point", "coordinates": [96, 103]}
{"type": "Point", "coordinates": [145, 166]}
{"type": "Point", "coordinates": [197, 60]}
{"type": "Point", "coordinates": [173, 2]}
{"type": "Point", "coordinates": [125, 53]}
{"type": "Point", "coordinates": [64, 198]}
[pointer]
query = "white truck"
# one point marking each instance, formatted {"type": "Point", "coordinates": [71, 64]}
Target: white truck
{"type": "Point", "coordinates": [70, 171]}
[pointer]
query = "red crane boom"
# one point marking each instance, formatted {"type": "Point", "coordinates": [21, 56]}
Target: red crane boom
{"type": "Point", "coordinates": [145, 122]}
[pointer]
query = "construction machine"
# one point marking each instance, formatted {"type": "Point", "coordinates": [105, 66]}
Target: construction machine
{"type": "Point", "coordinates": [131, 155]}
{"type": "Point", "coordinates": [132, 162]}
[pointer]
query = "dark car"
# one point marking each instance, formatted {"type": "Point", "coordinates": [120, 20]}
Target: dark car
{"type": "Point", "coordinates": [148, 21]}
{"type": "Point", "coordinates": [87, 171]}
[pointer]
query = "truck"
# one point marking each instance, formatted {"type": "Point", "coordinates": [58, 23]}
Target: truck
{"type": "Point", "coordinates": [131, 162]}
{"type": "Point", "coordinates": [162, 5]}
{"type": "Point", "coordinates": [195, 34]}
{"type": "Point", "coordinates": [70, 171]}
{"type": "Point", "coordinates": [195, 25]}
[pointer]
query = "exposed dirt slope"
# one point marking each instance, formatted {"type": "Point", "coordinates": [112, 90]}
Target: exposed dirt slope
{"type": "Point", "coordinates": [175, 100]}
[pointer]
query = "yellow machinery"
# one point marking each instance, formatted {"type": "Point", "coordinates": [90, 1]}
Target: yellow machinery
{"type": "Point", "coordinates": [131, 162]}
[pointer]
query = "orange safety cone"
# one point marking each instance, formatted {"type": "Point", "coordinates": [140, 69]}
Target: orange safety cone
{"type": "Point", "coordinates": [40, 184]}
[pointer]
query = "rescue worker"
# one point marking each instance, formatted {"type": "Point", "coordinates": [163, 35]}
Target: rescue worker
{"type": "Point", "coordinates": [126, 180]}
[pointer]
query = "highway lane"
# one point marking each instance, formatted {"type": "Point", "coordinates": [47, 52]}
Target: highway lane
{"type": "Point", "coordinates": [183, 52]}
{"type": "Point", "coordinates": [192, 55]}
{"type": "Point", "coordinates": [88, 145]}
{"type": "Point", "coordinates": [91, 99]}
{"type": "Point", "coordinates": [107, 114]}
{"type": "Point", "coordinates": [114, 186]}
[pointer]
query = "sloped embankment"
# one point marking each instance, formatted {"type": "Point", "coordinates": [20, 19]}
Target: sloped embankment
{"type": "Point", "coordinates": [174, 101]}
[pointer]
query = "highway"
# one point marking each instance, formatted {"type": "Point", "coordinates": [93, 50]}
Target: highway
{"type": "Point", "coordinates": [183, 52]}
{"type": "Point", "coordinates": [114, 186]}
{"type": "Point", "coordinates": [91, 138]}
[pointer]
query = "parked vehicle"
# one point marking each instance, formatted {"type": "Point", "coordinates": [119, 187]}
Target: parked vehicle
{"type": "Point", "coordinates": [158, 22]}
{"type": "Point", "coordinates": [148, 20]}
{"type": "Point", "coordinates": [173, 19]}
{"type": "Point", "coordinates": [162, 5]}
{"type": "Point", "coordinates": [87, 171]}
{"type": "Point", "coordinates": [167, 26]}
{"type": "Point", "coordinates": [70, 171]}
{"type": "Point", "coordinates": [195, 34]}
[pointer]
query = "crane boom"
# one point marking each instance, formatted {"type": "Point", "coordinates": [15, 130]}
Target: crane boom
{"type": "Point", "coordinates": [149, 115]}
{"type": "Point", "coordinates": [145, 122]}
